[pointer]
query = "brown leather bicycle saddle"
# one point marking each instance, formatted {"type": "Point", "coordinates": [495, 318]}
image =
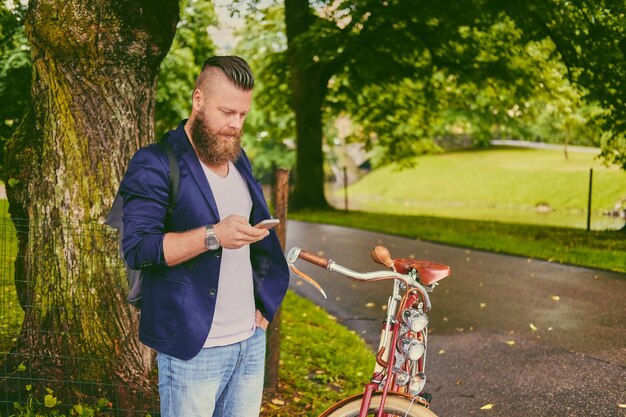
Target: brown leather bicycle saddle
{"type": "Point", "coordinates": [429, 272]}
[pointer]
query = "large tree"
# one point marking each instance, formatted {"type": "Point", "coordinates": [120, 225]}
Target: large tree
{"type": "Point", "coordinates": [95, 65]}
{"type": "Point", "coordinates": [372, 49]}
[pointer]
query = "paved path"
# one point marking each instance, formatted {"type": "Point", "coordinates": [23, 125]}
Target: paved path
{"type": "Point", "coordinates": [572, 365]}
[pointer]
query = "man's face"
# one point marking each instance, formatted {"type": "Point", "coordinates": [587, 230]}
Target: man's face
{"type": "Point", "coordinates": [218, 124]}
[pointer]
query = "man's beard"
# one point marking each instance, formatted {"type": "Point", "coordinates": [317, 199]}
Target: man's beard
{"type": "Point", "coordinates": [214, 148]}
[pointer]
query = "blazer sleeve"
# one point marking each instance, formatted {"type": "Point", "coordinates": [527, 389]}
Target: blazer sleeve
{"type": "Point", "coordinates": [145, 190]}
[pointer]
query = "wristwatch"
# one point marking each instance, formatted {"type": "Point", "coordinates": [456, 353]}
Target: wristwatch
{"type": "Point", "coordinates": [210, 238]}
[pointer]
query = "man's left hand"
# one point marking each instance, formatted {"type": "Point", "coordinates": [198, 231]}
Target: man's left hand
{"type": "Point", "coordinates": [261, 321]}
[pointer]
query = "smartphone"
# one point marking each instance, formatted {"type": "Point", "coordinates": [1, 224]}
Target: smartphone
{"type": "Point", "coordinates": [267, 224]}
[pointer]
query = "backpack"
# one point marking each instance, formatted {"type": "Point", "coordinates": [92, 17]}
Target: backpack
{"type": "Point", "coordinates": [114, 219]}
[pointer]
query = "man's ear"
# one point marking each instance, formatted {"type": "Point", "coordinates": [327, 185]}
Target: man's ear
{"type": "Point", "coordinates": [197, 99]}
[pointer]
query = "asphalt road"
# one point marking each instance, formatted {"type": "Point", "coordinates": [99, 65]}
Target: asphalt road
{"type": "Point", "coordinates": [528, 337]}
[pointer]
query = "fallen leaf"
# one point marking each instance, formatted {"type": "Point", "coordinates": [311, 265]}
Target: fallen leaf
{"type": "Point", "coordinates": [555, 298]}
{"type": "Point", "coordinates": [533, 327]}
{"type": "Point", "coordinates": [510, 342]}
{"type": "Point", "coordinates": [487, 407]}
{"type": "Point", "coordinates": [459, 382]}
{"type": "Point", "coordinates": [276, 401]}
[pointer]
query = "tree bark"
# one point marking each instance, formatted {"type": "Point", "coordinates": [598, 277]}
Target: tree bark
{"type": "Point", "coordinates": [95, 68]}
{"type": "Point", "coordinates": [309, 84]}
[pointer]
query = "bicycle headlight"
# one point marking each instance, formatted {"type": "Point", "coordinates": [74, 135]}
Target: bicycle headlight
{"type": "Point", "coordinates": [416, 384]}
{"type": "Point", "coordinates": [415, 319]}
{"type": "Point", "coordinates": [412, 348]}
{"type": "Point", "coordinates": [402, 377]}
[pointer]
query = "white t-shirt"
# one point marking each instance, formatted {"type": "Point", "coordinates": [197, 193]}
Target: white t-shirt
{"type": "Point", "coordinates": [233, 320]}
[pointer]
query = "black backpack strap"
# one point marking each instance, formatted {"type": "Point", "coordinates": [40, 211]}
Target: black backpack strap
{"type": "Point", "coordinates": [174, 175]}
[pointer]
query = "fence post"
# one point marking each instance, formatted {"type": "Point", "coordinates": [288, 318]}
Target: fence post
{"type": "Point", "coordinates": [272, 356]}
{"type": "Point", "coordinates": [589, 200]}
{"type": "Point", "coordinates": [345, 188]}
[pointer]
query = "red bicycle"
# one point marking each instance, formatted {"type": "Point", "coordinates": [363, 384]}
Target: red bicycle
{"type": "Point", "coordinates": [396, 387]}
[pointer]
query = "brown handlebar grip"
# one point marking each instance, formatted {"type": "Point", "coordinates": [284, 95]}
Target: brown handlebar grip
{"type": "Point", "coordinates": [381, 255]}
{"type": "Point", "coordinates": [313, 258]}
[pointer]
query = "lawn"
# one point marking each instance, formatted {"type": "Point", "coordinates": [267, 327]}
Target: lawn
{"type": "Point", "coordinates": [513, 185]}
{"type": "Point", "coordinates": [596, 249]}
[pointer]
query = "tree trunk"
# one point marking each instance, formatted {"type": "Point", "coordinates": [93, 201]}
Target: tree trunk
{"type": "Point", "coordinates": [308, 88]}
{"type": "Point", "coordinates": [95, 68]}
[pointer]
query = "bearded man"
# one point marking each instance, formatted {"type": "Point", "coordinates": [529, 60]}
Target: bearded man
{"type": "Point", "coordinates": [211, 281]}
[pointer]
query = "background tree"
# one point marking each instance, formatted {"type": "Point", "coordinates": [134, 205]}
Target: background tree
{"type": "Point", "coordinates": [366, 48]}
{"type": "Point", "coordinates": [94, 75]}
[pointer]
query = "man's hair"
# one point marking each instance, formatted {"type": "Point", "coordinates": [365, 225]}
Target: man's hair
{"type": "Point", "coordinates": [235, 68]}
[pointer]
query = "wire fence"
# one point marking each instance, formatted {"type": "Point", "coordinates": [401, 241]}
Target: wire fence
{"type": "Point", "coordinates": [68, 339]}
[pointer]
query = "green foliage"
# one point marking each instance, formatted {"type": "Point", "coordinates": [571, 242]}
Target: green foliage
{"type": "Point", "coordinates": [590, 40]}
{"type": "Point", "coordinates": [270, 127]}
{"type": "Point", "coordinates": [15, 70]}
{"type": "Point", "coordinates": [50, 406]}
{"type": "Point", "coordinates": [408, 74]}
{"type": "Point", "coordinates": [191, 46]}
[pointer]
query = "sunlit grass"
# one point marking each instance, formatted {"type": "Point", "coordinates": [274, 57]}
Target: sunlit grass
{"type": "Point", "coordinates": [527, 186]}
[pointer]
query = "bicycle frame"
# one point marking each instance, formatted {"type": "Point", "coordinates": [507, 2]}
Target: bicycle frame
{"type": "Point", "coordinates": [401, 356]}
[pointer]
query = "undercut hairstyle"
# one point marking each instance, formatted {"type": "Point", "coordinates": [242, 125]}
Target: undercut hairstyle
{"type": "Point", "coordinates": [236, 69]}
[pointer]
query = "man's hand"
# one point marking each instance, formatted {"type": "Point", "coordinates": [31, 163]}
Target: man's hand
{"type": "Point", "coordinates": [261, 321]}
{"type": "Point", "coordinates": [235, 232]}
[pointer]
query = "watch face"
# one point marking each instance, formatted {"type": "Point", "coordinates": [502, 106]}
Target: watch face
{"type": "Point", "coordinates": [212, 242]}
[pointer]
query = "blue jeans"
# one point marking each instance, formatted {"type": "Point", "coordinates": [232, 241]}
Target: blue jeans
{"type": "Point", "coordinates": [219, 381]}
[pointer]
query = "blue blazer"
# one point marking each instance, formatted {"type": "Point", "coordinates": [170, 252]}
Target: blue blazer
{"type": "Point", "coordinates": [178, 302]}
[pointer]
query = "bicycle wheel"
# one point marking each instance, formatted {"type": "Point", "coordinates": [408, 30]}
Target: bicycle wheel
{"type": "Point", "coordinates": [395, 405]}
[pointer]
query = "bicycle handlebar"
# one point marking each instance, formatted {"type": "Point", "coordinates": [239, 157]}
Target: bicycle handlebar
{"type": "Point", "coordinates": [295, 253]}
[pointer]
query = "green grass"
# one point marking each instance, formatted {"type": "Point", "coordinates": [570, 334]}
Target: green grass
{"type": "Point", "coordinates": [11, 315]}
{"type": "Point", "coordinates": [501, 184]}
{"type": "Point", "coordinates": [321, 361]}
{"type": "Point", "coordinates": [596, 249]}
